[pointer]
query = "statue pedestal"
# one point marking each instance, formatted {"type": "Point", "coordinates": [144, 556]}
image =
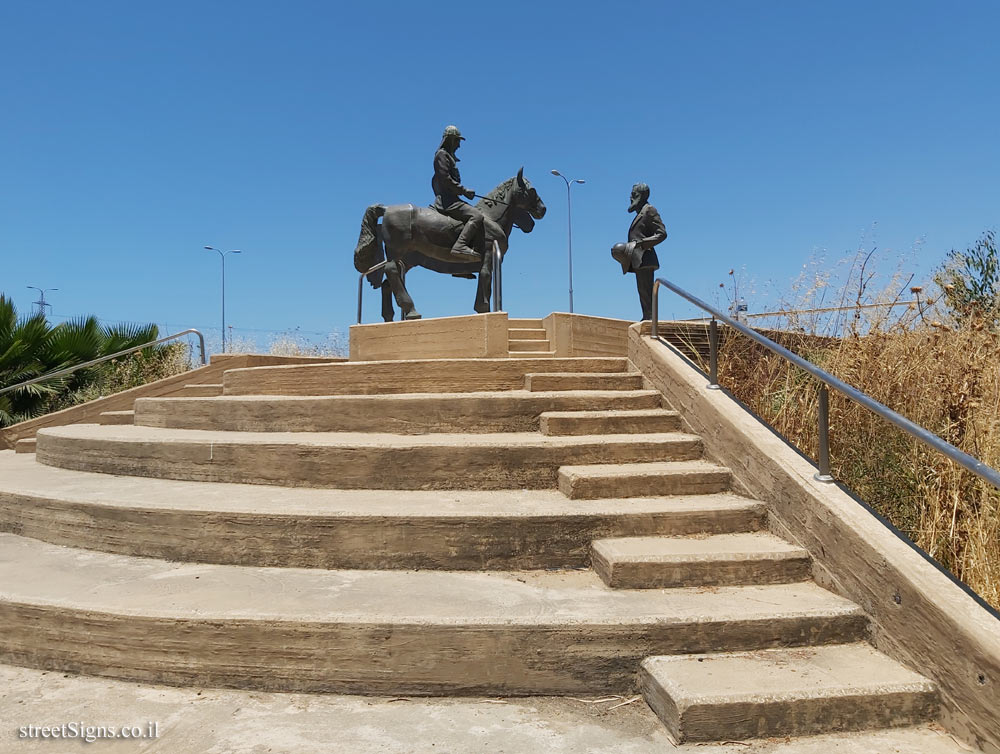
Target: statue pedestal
{"type": "Point", "coordinates": [473, 336]}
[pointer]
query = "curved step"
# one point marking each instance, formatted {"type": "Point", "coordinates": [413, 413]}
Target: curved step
{"type": "Point", "coordinates": [417, 376]}
{"type": "Point", "coordinates": [423, 632]}
{"type": "Point", "coordinates": [784, 692]}
{"type": "Point", "coordinates": [347, 460]}
{"type": "Point", "coordinates": [507, 411]}
{"type": "Point", "coordinates": [217, 720]}
{"type": "Point", "coordinates": [307, 528]}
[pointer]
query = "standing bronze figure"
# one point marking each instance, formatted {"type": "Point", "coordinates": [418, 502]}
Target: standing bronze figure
{"type": "Point", "coordinates": [448, 190]}
{"type": "Point", "coordinates": [638, 255]}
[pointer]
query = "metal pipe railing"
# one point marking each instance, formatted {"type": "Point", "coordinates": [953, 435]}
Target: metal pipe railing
{"type": "Point", "coordinates": [361, 283]}
{"type": "Point", "coordinates": [70, 370]}
{"type": "Point", "coordinates": [928, 438]}
{"type": "Point", "coordinates": [497, 278]}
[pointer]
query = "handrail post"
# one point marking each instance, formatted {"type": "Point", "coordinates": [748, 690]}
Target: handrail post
{"type": "Point", "coordinates": [361, 282]}
{"type": "Point", "coordinates": [713, 355]}
{"type": "Point", "coordinates": [497, 266]}
{"type": "Point", "coordinates": [201, 343]}
{"type": "Point", "coordinates": [653, 326]}
{"type": "Point", "coordinates": [361, 292]}
{"type": "Point", "coordinates": [823, 475]}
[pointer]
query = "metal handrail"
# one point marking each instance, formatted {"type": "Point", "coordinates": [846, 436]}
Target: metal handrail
{"type": "Point", "coordinates": [361, 283]}
{"type": "Point", "coordinates": [928, 438]}
{"type": "Point", "coordinates": [70, 370]}
{"type": "Point", "coordinates": [496, 260]}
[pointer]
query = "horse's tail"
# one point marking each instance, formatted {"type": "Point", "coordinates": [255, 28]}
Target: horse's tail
{"type": "Point", "coordinates": [369, 252]}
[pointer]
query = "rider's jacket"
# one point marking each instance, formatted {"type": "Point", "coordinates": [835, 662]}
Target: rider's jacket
{"type": "Point", "coordinates": [447, 182]}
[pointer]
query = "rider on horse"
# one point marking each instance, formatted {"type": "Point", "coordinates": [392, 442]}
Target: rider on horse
{"type": "Point", "coordinates": [447, 185]}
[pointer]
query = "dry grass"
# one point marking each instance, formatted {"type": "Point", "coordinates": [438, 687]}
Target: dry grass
{"type": "Point", "coordinates": [944, 378]}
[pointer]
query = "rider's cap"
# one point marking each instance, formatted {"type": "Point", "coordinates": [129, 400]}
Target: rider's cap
{"type": "Point", "coordinates": [452, 131]}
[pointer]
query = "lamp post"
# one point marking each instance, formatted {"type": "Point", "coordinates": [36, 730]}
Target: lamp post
{"type": "Point", "coordinates": [222, 256]}
{"type": "Point", "coordinates": [41, 299]}
{"type": "Point", "coordinates": [569, 229]}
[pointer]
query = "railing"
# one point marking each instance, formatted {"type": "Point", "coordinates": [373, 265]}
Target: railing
{"type": "Point", "coordinates": [496, 262]}
{"type": "Point", "coordinates": [70, 370]}
{"type": "Point", "coordinates": [361, 283]}
{"type": "Point", "coordinates": [928, 438]}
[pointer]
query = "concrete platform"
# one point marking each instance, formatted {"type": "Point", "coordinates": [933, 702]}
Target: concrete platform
{"type": "Point", "coordinates": [210, 721]}
{"type": "Point", "coordinates": [313, 528]}
{"type": "Point", "coordinates": [348, 460]}
{"type": "Point", "coordinates": [422, 632]}
{"type": "Point", "coordinates": [780, 692]}
{"type": "Point", "coordinates": [408, 413]}
{"type": "Point", "coordinates": [416, 376]}
{"type": "Point", "coordinates": [651, 562]}
{"type": "Point", "coordinates": [596, 480]}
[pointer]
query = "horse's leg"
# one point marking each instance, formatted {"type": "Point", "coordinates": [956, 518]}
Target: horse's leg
{"type": "Point", "coordinates": [388, 313]}
{"type": "Point", "coordinates": [394, 272]}
{"type": "Point", "coordinates": [485, 288]}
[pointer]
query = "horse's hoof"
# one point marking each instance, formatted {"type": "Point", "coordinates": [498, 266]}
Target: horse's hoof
{"type": "Point", "coordinates": [413, 315]}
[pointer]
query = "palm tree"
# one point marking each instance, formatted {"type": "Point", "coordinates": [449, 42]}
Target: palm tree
{"type": "Point", "coordinates": [30, 347]}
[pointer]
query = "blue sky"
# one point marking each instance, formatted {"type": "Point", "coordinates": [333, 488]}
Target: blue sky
{"type": "Point", "coordinates": [133, 134]}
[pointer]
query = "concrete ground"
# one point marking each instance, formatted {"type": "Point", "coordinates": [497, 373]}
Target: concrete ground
{"type": "Point", "coordinates": [213, 721]}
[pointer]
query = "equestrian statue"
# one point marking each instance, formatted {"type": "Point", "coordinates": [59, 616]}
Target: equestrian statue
{"type": "Point", "coordinates": [451, 236]}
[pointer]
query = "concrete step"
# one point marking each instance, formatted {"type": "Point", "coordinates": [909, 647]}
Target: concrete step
{"type": "Point", "coordinates": [643, 479]}
{"type": "Point", "coordinates": [582, 381]}
{"type": "Point", "coordinates": [349, 460]}
{"type": "Point", "coordinates": [784, 692]}
{"type": "Point", "coordinates": [527, 333]}
{"type": "Point", "coordinates": [202, 720]}
{"type": "Point", "coordinates": [117, 417]}
{"type": "Point", "coordinates": [599, 421]}
{"type": "Point", "coordinates": [651, 562]}
{"type": "Point", "coordinates": [25, 445]}
{"type": "Point", "coordinates": [260, 525]}
{"type": "Point", "coordinates": [419, 376]}
{"type": "Point", "coordinates": [199, 391]}
{"type": "Point", "coordinates": [515, 323]}
{"type": "Point", "coordinates": [527, 346]}
{"type": "Point", "coordinates": [532, 354]}
{"type": "Point", "coordinates": [371, 632]}
{"type": "Point", "coordinates": [502, 411]}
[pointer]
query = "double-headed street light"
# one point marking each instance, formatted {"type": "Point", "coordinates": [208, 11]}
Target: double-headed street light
{"type": "Point", "coordinates": [222, 256]}
{"type": "Point", "coordinates": [569, 225]}
{"type": "Point", "coordinates": [42, 303]}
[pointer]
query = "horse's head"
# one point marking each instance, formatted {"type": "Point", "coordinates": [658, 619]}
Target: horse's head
{"type": "Point", "coordinates": [514, 202]}
{"type": "Point", "coordinates": [526, 205]}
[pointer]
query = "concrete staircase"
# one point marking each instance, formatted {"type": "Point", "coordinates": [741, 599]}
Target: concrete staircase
{"type": "Point", "coordinates": [523, 526]}
{"type": "Point", "coordinates": [527, 338]}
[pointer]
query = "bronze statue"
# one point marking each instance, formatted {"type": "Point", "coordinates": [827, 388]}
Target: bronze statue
{"type": "Point", "coordinates": [411, 236]}
{"type": "Point", "coordinates": [448, 190]}
{"type": "Point", "coordinates": [638, 255]}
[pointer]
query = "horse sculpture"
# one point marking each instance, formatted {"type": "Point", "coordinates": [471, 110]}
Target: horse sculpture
{"type": "Point", "coordinates": [412, 236]}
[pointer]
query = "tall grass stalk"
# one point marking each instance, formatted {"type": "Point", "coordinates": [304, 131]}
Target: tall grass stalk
{"type": "Point", "coordinates": [914, 360]}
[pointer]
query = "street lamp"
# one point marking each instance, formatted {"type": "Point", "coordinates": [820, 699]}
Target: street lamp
{"type": "Point", "coordinates": [222, 256]}
{"type": "Point", "coordinates": [569, 226]}
{"type": "Point", "coordinates": [41, 300]}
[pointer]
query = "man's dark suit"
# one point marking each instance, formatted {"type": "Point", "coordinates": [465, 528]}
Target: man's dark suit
{"type": "Point", "coordinates": [647, 230]}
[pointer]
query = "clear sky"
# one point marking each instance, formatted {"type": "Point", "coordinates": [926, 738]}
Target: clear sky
{"type": "Point", "coordinates": [133, 134]}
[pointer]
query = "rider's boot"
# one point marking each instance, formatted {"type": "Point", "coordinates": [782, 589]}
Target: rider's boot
{"type": "Point", "coordinates": [463, 246]}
